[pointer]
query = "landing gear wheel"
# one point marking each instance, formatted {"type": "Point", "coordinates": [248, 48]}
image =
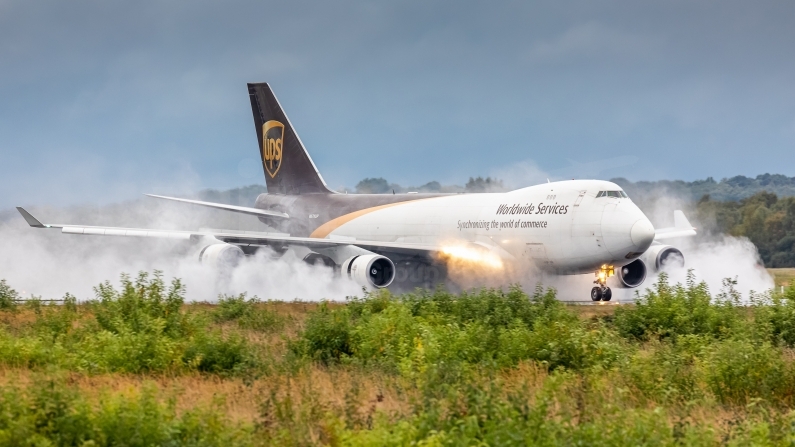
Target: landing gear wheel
{"type": "Point", "coordinates": [606, 294]}
{"type": "Point", "coordinates": [596, 294]}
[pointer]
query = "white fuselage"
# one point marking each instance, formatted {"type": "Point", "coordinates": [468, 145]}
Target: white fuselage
{"type": "Point", "coordinates": [561, 226]}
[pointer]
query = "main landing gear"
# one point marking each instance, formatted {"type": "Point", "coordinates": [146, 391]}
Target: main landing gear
{"type": "Point", "coordinates": [601, 292]}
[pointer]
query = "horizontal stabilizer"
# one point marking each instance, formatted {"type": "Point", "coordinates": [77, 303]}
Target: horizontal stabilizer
{"type": "Point", "coordinates": [681, 228]}
{"type": "Point", "coordinates": [222, 206]}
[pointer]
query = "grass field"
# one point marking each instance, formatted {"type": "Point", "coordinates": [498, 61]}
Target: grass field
{"type": "Point", "coordinates": [138, 366]}
{"type": "Point", "coordinates": [783, 277]}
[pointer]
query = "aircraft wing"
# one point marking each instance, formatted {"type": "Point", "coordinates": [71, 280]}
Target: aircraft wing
{"type": "Point", "coordinates": [221, 206]}
{"type": "Point", "coordinates": [681, 228]}
{"type": "Point", "coordinates": [253, 239]}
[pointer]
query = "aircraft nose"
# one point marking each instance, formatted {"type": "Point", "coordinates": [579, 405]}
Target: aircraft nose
{"type": "Point", "coordinates": [642, 234]}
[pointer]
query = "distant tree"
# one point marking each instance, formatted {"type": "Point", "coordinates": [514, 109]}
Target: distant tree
{"type": "Point", "coordinates": [373, 186]}
{"type": "Point", "coordinates": [480, 184]}
{"type": "Point", "coordinates": [430, 187]}
{"type": "Point", "coordinates": [734, 188]}
{"type": "Point", "coordinates": [765, 219]}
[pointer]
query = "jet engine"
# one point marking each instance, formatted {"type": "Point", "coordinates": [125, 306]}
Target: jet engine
{"type": "Point", "coordinates": [221, 256]}
{"type": "Point", "coordinates": [632, 274]}
{"type": "Point", "coordinates": [371, 271]}
{"type": "Point", "coordinates": [659, 256]}
{"type": "Point", "coordinates": [654, 259]}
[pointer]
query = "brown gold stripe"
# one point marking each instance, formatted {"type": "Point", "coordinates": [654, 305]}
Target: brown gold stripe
{"type": "Point", "coordinates": [326, 229]}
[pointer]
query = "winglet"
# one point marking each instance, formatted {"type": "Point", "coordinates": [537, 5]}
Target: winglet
{"type": "Point", "coordinates": [681, 228]}
{"type": "Point", "coordinates": [32, 221]}
{"type": "Point", "coordinates": [680, 221]}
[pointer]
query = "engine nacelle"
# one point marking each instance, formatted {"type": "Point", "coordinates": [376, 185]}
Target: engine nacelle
{"type": "Point", "coordinates": [654, 259]}
{"type": "Point", "coordinates": [659, 256]}
{"type": "Point", "coordinates": [369, 270]}
{"type": "Point", "coordinates": [221, 256]}
{"type": "Point", "coordinates": [632, 274]}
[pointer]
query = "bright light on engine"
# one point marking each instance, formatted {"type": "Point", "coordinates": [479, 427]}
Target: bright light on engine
{"type": "Point", "coordinates": [472, 255]}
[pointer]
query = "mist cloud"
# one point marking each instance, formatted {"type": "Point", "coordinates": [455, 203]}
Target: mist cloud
{"type": "Point", "coordinates": [49, 264]}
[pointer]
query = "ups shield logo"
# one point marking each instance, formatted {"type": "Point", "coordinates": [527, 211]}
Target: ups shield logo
{"type": "Point", "coordinates": [272, 144]}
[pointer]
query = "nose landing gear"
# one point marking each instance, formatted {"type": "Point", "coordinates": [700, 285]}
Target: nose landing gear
{"type": "Point", "coordinates": [601, 292]}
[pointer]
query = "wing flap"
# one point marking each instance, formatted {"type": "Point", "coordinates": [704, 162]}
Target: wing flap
{"type": "Point", "coordinates": [128, 232]}
{"type": "Point", "coordinates": [225, 207]}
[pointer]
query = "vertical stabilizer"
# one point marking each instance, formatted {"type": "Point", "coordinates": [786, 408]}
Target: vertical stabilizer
{"type": "Point", "coordinates": [287, 166]}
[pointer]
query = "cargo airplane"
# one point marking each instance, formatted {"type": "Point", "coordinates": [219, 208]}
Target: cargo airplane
{"type": "Point", "coordinates": [407, 240]}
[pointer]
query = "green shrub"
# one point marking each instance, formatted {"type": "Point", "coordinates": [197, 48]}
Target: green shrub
{"type": "Point", "coordinates": [54, 321]}
{"type": "Point", "coordinates": [440, 333]}
{"type": "Point", "coordinates": [215, 354]}
{"type": "Point", "coordinates": [138, 329]}
{"type": "Point", "coordinates": [571, 345]}
{"type": "Point", "coordinates": [672, 311]}
{"type": "Point", "coordinates": [50, 413]}
{"type": "Point", "coordinates": [327, 335]}
{"type": "Point", "coordinates": [665, 371]}
{"type": "Point", "coordinates": [29, 352]}
{"type": "Point", "coordinates": [774, 317]}
{"type": "Point", "coordinates": [483, 413]}
{"type": "Point", "coordinates": [127, 351]}
{"type": "Point", "coordinates": [249, 313]}
{"type": "Point", "coordinates": [233, 307]}
{"type": "Point", "coordinates": [493, 308]}
{"type": "Point", "coordinates": [145, 305]}
{"type": "Point", "coordinates": [8, 296]}
{"type": "Point", "coordinates": [738, 371]}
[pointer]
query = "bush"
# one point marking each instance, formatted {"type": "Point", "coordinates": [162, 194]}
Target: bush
{"type": "Point", "coordinates": [327, 335]}
{"type": "Point", "coordinates": [249, 313]}
{"type": "Point", "coordinates": [738, 371]}
{"type": "Point", "coordinates": [774, 317]}
{"type": "Point", "coordinates": [8, 296]}
{"type": "Point", "coordinates": [140, 328]}
{"type": "Point", "coordinates": [672, 311]}
{"type": "Point", "coordinates": [668, 372]}
{"type": "Point", "coordinates": [127, 351]}
{"type": "Point", "coordinates": [214, 354]}
{"type": "Point", "coordinates": [143, 306]}
{"type": "Point", "coordinates": [435, 331]}
{"type": "Point", "coordinates": [50, 413]}
{"type": "Point", "coordinates": [493, 308]}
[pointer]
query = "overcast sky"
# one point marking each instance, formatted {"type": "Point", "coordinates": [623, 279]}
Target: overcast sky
{"type": "Point", "coordinates": [104, 100]}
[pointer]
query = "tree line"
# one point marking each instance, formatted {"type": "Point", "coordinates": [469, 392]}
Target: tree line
{"type": "Point", "coordinates": [764, 218]}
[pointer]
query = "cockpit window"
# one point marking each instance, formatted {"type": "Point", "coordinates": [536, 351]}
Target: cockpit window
{"type": "Point", "coordinates": [617, 194]}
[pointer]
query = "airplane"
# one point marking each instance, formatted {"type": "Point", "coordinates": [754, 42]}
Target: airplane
{"type": "Point", "coordinates": [405, 240]}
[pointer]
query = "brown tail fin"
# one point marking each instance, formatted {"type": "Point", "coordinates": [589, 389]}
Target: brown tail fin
{"type": "Point", "coordinates": [288, 167]}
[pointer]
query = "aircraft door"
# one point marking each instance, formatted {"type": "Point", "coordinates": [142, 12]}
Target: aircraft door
{"type": "Point", "coordinates": [586, 222]}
